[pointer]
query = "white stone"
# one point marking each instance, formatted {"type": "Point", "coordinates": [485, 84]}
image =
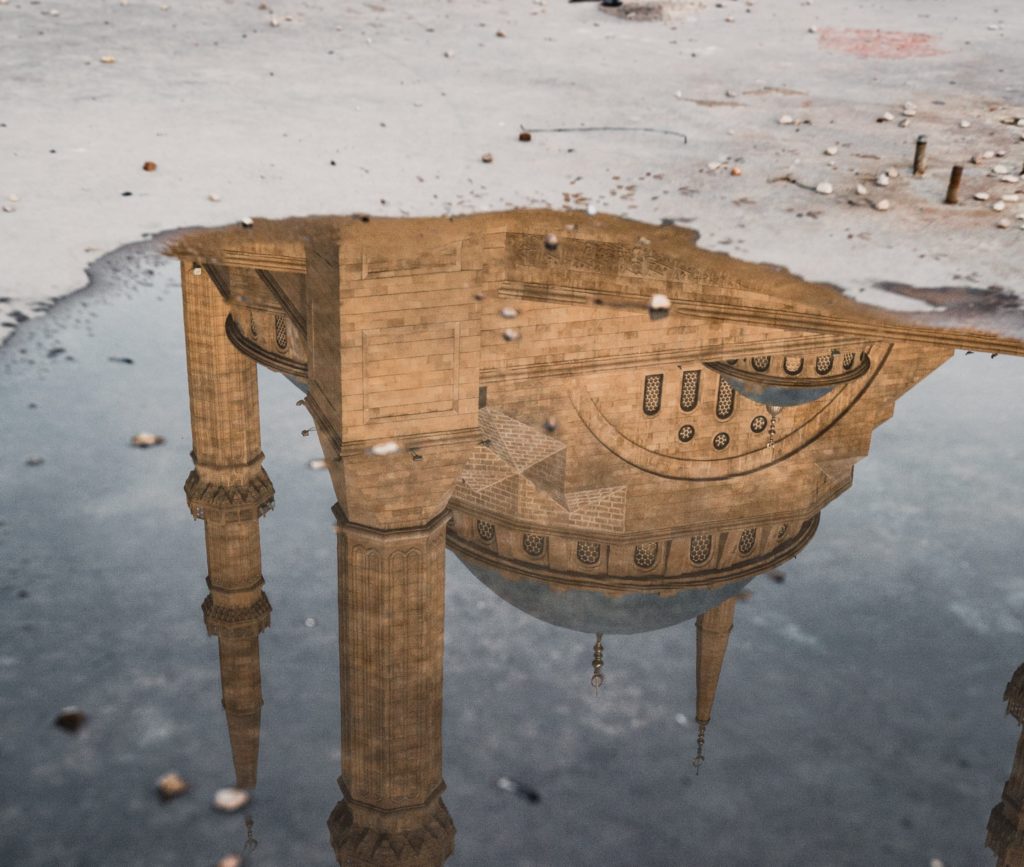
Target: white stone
{"type": "Point", "coordinates": [964, 124]}
{"type": "Point", "coordinates": [230, 799]}
{"type": "Point", "coordinates": [592, 209]}
{"type": "Point", "coordinates": [888, 116]}
{"type": "Point", "coordinates": [998, 206]}
{"type": "Point", "coordinates": [882, 180]}
{"type": "Point", "coordinates": [831, 150]}
{"type": "Point", "coordinates": [989, 154]}
{"type": "Point", "coordinates": [1011, 197]}
{"type": "Point", "coordinates": [509, 312]}
{"type": "Point", "coordinates": [892, 172]}
{"type": "Point", "coordinates": [1004, 223]}
{"type": "Point", "coordinates": [1000, 169]}
{"type": "Point", "coordinates": [981, 197]}
{"type": "Point", "coordinates": [786, 120]}
{"type": "Point", "coordinates": [825, 188]}
{"type": "Point", "coordinates": [247, 222]}
{"type": "Point", "coordinates": [862, 190]}
{"type": "Point", "coordinates": [882, 205]}
{"type": "Point", "coordinates": [213, 197]}
{"type": "Point", "coordinates": [679, 94]}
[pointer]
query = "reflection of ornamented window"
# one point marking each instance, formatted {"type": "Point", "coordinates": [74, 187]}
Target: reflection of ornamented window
{"type": "Point", "coordinates": [720, 441]}
{"type": "Point", "coordinates": [782, 531]}
{"type": "Point", "coordinates": [485, 531]}
{"type": "Point", "coordinates": [252, 326]}
{"type": "Point", "coordinates": [700, 549]}
{"type": "Point", "coordinates": [747, 539]}
{"type": "Point", "coordinates": [848, 360]}
{"type": "Point", "coordinates": [645, 555]}
{"type": "Point", "coordinates": [533, 544]}
{"type": "Point", "coordinates": [761, 363]}
{"type": "Point", "coordinates": [686, 433]}
{"type": "Point", "coordinates": [588, 553]}
{"type": "Point", "coordinates": [280, 332]}
{"type": "Point", "coordinates": [823, 365]}
{"type": "Point", "coordinates": [690, 393]}
{"type": "Point", "coordinates": [726, 400]}
{"type": "Point", "coordinates": [652, 393]}
{"type": "Point", "coordinates": [758, 424]}
{"type": "Point", "coordinates": [792, 365]}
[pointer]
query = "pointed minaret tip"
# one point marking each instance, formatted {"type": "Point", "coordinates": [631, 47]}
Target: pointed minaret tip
{"type": "Point", "coordinates": [598, 663]}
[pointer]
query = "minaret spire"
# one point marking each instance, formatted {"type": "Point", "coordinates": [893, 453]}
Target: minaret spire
{"type": "Point", "coordinates": [598, 663]}
{"type": "Point", "coordinates": [713, 628]}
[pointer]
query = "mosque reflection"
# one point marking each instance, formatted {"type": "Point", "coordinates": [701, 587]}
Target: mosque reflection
{"type": "Point", "coordinates": [502, 385]}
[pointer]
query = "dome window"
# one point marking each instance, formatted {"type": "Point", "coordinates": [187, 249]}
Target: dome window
{"type": "Point", "coordinates": [720, 441]}
{"type": "Point", "coordinates": [280, 332]}
{"type": "Point", "coordinates": [533, 544]}
{"type": "Point", "coordinates": [588, 553]}
{"type": "Point", "coordinates": [686, 433]}
{"type": "Point", "coordinates": [485, 531]}
{"type": "Point", "coordinates": [761, 363]}
{"type": "Point", "coordinates": [700, 549]}
{"type": "Point", "coordinates": [726, 400]}
{"type": "Point", "coordinates": [747, 540]}
{"type": "Point", "coordinates": [758, 424]}
{"type": "Point", "coordinates": [645, 555]}
{"type": "Point", "coordinates": [848, 360]}
{"type": "Point", "coordinates": [792, 365]}
{"type": "Point", "coordinates": [823, 365]}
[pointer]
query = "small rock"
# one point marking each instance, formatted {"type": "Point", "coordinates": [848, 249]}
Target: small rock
{"type": "Point", "coordinates": [1000, 169]}
{"type": "Point", "coordinates": [386, 448]}
{"type": "Point", "coordinates": [592, 209]}
{"type": "Point", "coordinates": [882, 180]}
{"type": "Point", "coordinates": [246, 222]}
{"type": "Point", "coordinates": [509, 313]}
{"type": "Point", "coordinates": [999, 206]}
{"type": "Point", "coordinates": [882, 205]}
{"type": "Point", "coordinates": [831, 150]}
{"type": "Point", "coordinates": [8, 207]}
{"type": "Point", "coordinates": [862, 190]}
{"type": "Point", "coordinates": [981, 197]}
{"type": "Point", "coordinates": [786, 120]}
{"type": "Point", "coordinates": [525, 136]}
{"type": "Point", "coordinates": [825, 188]}
{"type": "Point", "coordinates": [736, 171]}
{"type": "Point", "coordinates": [145, 440]}
{"type": "Point", "coordinates": [510, 334]}
{"type": "Point", "coordinates": [892, 172]}
{"type": "Point", "coordinates": [149, 166]}
{"type": "Point", "coordinates": [507, 784]}
{"type": "Point", "coordinates": [988, 155]}
{"type": "Point", "coordinates": [317, 464]}
{"type": "Point", "coordinates": [885, 118]}
{"type": "Point", "coordinates": [1011, 197]}
{"type": "Point", "coordinates": [34, 461]}
{"type": "Point", "coordinates": [659, 305]}
{"type": "Point", "coordinates": [71, 718]}
{"type": "Point", "coordinates": [714, 166]}
{"type": "Point", "coordinates": [1004, 223]}
{"type": "Point", "coordinates": [909, 112]}
{"type": "Point", "coordinates": [1010, 179]}
{"type": "Point", "coordinates": [679, 94]}
{"type": "Point", "coordinates": [230, 799]}
{"type": "Point", "coordinates": [936, 862]}
{"type": "Point", "coordinates": [449, 53]}
{"type": "Point", "coordinates": [500, 34]}
{"type": "Point", "coordinates": [487, 158]}
{"type": "Point", "coordinates": [213, 197]}
{"type": "Point", "coordinates": [171, 785]}
{"type": "Point", "coordinates": [812, 29]}
{"type": "Point", "coordinates": [964, 124]}
{"type": "Point", "coordinates": [903, 124]}
{"type": "Point", "coordinates": [551, 241]}
{"type": "Point", "coordinates": [108, 58]}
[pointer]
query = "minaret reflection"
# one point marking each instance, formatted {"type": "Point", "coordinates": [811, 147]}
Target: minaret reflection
{"type": "Point", "coordinates": [1006, 823]}
{"type": "Point", "coordinates": [477, 386]}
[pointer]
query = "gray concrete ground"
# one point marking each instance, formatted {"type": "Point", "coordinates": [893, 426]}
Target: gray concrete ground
{"type": "Point", "coordinates": [388, 107]}
{"type": "Point", "coordinates": [859, 718]}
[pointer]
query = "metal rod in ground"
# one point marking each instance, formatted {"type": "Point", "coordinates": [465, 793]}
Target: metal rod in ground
{"type": "Point", "coordinates": [920, 156]}
{"type": "Point", "coordinates": [953, 190]}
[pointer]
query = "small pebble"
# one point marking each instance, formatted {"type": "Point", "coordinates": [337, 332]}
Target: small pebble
{"type": "Point", "coordinates": [882, 180]}
{"type": "Point", "coordinates": [1000, 153]}
{"type": "Point", "coordinates": [882, 205]}
{"type": "Point", "coordinates": [862, 190]}
{"type": "Point", "coordinates": [964, 124]}
{"type": "Point", "coordinates": [981, 197]}
{"type": "Point", "coordinates": [1000, 169]}
{"type": "Point", "coordinates": [71, 719]}
{"type": "Point", "coordinates": [903, 124]}
{"type": "Point", "coordinates": [909, 112]}
{"type": "Point", "coordinates": [999, 206]}
{"type": "Point", "coordinates": [551, 241]}
{"type": "Point", "coordinates": [1010, 179]}
{"type": "Point", "coordinates": [681, 719]}
{"type": "Point", "coordinates": [1004, 223]}
{"type": "Point", "coordinates": [735, 171]}
{"type": "Point", "coordinates": [825, 188]}
{"type": "Point", "coordinates": [678, 94]}
{"type": "Point", "coordinates": [386, 448]}
{"type": "Point", "coordinates": [230, 799]}
{"type": "Point", "coordinates": [487, 158]}
{"type": "Point", "coordinates": [149, 166]}
{"type": "Point", "coordinates": [108, 58]}
{"type": "Point", "coordinates": [786, 120]}
{"type": "Point", "coordinates": [145, 440]}
{"type": "Point", "coordinates": [509, 312]}
{"type": "Point", "coordinates": [812, 29]}
{"type": "Point", "coordinates": [449, 53]}
{"type": "Point", "coordinates": [988, 155]}
{"type": "Point", "coordinates": [171, 785]}
{"type": "Point", "coordinates": [714, 166]}
{"type": "Point", "coordinates": [892, 172]}
{"type": "Point", "coordinates": [8, 207]}
{"type": "Point", "coordinates": [213, 197]}
{"type": "Point", "coordinates": [831, 150]}
{"type": "Point", "coordinates": [1011, 197]}
{"type": "Point", "coordinates": [247, 222]}
{"type": "Point", "coordinates": [886, 117]}
{"type": "Point", "coordinates": [510, 334]}
{"type": "Point", "coordinates": [525, 136]}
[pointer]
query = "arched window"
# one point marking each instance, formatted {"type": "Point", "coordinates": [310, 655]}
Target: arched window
{"type": "Point", "coordinates": [645, 555]}
{"type": "Point", "coordinates": [280, 332]}
{"type": "Point", "coordinates": [485, 531]}
{"type": "Point", "coordinates": [690, 393]}
{"type": "Point", "coordinates": [792, 365]}
{"type": "Point", "coordinates": [747, 540]}
{"type": "Point", "coordinates": [848, 360]}
{"type": "Point", "coordinates": [652, 393]}
{"type": "Point", "coordinates": [726, 400]}
{"type": "Point", "coordinates": [588, 553]}
{"type": "Point", "coordinates": [761, 363]}
{"type": "Point", "coordinates": [823, 365]}
{"type": "Point", "coordinates": [700, 549]}
{"type": "Point", "coordinates": [533, 544]}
